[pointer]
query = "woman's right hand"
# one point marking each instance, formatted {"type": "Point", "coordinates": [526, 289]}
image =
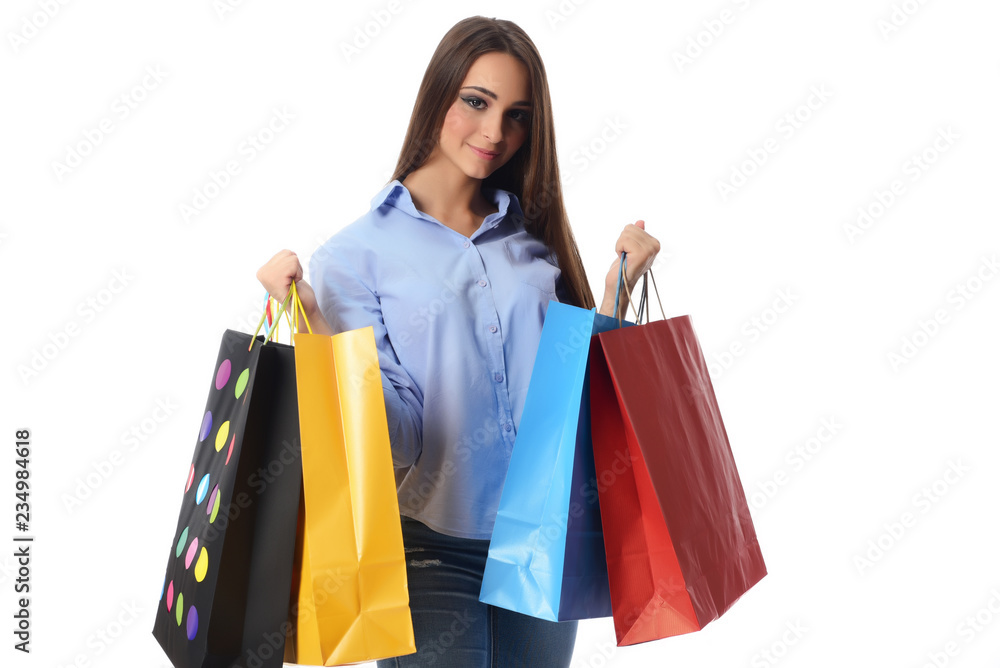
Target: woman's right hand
{"type": "Point", "coordinates": [277, 275]}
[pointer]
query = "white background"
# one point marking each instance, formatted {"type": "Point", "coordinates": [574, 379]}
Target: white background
{"type": "Point", "coordinates": [661, 135]}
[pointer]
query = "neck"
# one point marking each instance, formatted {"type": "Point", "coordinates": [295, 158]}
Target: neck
{"type": "Point", "coordinates": [446, 193]}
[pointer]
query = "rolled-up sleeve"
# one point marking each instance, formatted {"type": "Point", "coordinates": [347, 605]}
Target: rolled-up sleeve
{"type": "Point", "coordinates": [342, 279]}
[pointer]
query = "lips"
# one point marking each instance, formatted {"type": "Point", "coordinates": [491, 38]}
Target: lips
{"type": "Point", "coordinates": [483, 153]}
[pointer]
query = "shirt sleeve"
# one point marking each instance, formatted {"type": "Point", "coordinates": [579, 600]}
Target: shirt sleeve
{"type": "Point", "coordinates": [343, 287]}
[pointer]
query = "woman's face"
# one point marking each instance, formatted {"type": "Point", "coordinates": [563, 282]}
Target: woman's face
{"type": "Point", "coordinates": [489, 121]}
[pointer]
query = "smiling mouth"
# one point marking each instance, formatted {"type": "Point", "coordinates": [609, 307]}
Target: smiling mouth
{"type": "Point", "coordinates": [483, 153]}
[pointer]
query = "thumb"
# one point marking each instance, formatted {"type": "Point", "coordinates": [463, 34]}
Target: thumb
{"type": "Point", "coordinates": [641, 224]}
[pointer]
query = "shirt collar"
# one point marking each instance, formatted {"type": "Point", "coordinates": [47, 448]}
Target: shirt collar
{"type": "Point", "coordinates": [396, 194]}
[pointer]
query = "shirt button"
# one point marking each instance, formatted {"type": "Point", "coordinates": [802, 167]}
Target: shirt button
{"type": "Point", "coordinates": [466, 244]}
{"type": "Point", "coordinates": [498, 377]}
{"type": "Point", "coordinates": [507, 426]}
{"type": "Point", "coordinates": [493, 328]}
{"type": "Point", "coordinates": [482, 283]}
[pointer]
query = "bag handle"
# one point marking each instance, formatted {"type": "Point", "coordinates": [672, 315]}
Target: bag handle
{"type": "Point", "coordinates": [644, 298]}
{"type": "Point", "coordinates": [618, 290]}
{"type": "Point", "coordinates": [297, 306]}
{"type": "Point", "coordinates": [270, 306]}
{"type": "Point", "coordinates": [643, 301]}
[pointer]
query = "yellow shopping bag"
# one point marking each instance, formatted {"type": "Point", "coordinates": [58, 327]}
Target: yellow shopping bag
{"type": "Point", "coordinates": [351, 603]}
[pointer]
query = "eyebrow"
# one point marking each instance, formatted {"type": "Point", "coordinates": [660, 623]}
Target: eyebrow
{"type": "Point", "coordinates": [486, 91]}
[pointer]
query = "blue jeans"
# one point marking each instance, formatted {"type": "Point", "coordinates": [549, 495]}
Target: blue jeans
{"type": "Point", "coordinates": [452, 628]}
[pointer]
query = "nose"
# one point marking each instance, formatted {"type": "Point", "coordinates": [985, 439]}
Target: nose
{"type": "Point", "coordinates": [493, 128]}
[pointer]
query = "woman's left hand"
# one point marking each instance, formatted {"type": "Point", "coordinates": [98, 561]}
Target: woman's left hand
{"type": "Point", "coordinates": [640, 252]}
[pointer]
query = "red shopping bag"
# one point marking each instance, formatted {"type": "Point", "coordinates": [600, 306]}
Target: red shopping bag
{"type": "Point", "coordinates": [680, 544]}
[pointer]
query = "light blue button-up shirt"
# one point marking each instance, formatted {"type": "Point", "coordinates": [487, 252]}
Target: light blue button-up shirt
{"type": "Point", "coordinates": [457, 322]}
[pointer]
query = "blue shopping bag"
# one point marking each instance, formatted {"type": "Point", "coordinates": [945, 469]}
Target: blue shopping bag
{"type": "Point", "coordinates": [546, 556]}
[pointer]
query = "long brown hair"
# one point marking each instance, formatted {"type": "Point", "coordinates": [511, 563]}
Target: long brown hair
{"type": "Point", "coordinates": [532, 174]}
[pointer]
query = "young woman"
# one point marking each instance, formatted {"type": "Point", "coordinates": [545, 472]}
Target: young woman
{"type": "Point", "coordinates": [453, 267]}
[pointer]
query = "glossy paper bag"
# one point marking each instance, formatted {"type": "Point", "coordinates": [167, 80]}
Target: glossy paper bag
{"type": "Point", "coordinates": [681, 546]}
{"type": "Point", "coordinates": [350, 603]}
{"type": "Point", "coordinates": [546, 556]}
{"type": "Point", "coordinates": [225, 592]}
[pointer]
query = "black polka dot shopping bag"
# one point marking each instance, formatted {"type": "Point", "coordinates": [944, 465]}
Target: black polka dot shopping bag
{"type": "Point", "coordinates": [230, 562]}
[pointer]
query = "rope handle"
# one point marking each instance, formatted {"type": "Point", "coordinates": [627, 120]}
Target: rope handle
{"type": "Point", "coordinates": [293, 322]}
{"type": "Point", "coordinates": [643, 303]}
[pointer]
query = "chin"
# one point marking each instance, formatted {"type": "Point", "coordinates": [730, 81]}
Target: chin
{"type": "Point", "coordinates": [478, 173]}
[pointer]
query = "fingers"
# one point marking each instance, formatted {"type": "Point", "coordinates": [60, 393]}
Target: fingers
{"type": "Point", "coordinates": [640, 250]}
{"type": "Point", "coordinates": [635, 238]}
{"type": "Point", "coordinates": [287, 263]}
{"type": "Point", "coordinates": [278, 273]}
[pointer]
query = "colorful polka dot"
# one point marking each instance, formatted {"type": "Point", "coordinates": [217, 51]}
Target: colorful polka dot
{"type": "Point", "coordinates": [192, 550]}
{"type": "Point", "coordinates": [241, 382]}
{"type": "Point", "coordinates": [231, 444]}
{"type": "Point", "coordinates": [222, 377]}
{"type": "Point", "coordinates": [220, 438]}
{"type": "Point", "coordinates": [182, 541]}
{"type": "Point", "coordinates": [202, 489]}
{"type": "Point", "coordinates": [206, 426]}
{"type": "Point", "coordinates": [192, 623]}
{"type": "Point", "coordinates": [212, 501]}
{"type": "Point", "coordinates": [180, 607]}
{"type": "Point", "coordinates": [215, 508]}
{"type": "Point", "coordinates": [190, 479]}
{"type": "Point", "coordinates": [170, 595]}
{"type": "Point", "coordinates": [201, 568]}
